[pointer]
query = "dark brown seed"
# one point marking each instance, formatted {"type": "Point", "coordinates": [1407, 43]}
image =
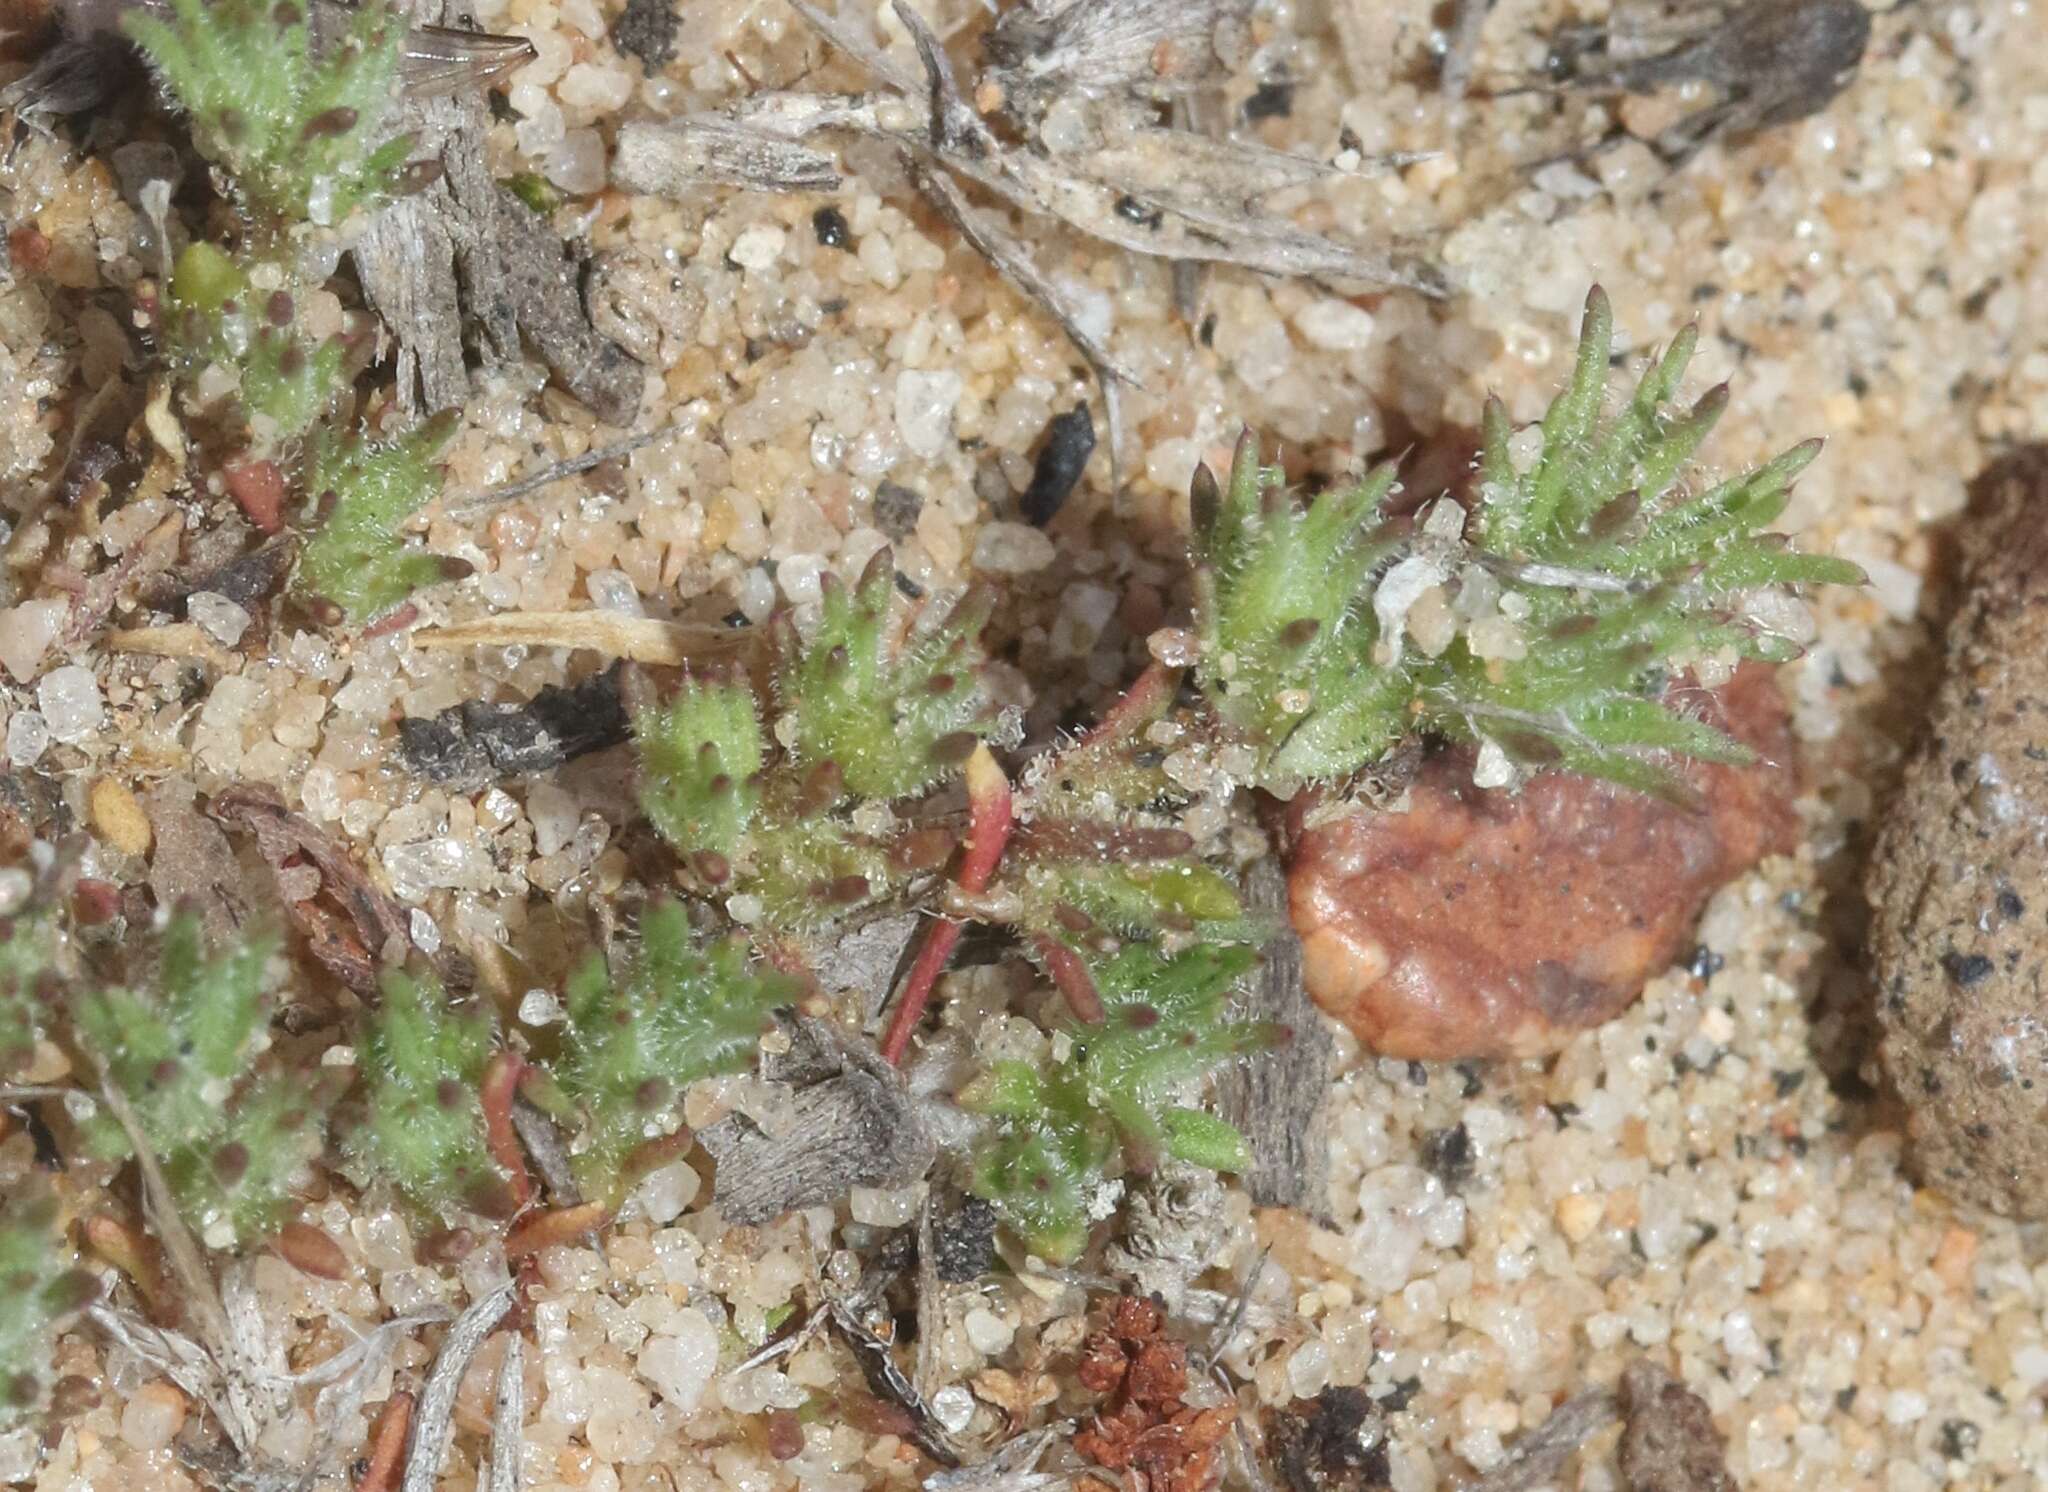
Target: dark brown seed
{"type": "Point", "coordinates": [922, 850]}
{"type": "Point", "coordinates": [335, 122]}
{"type": "Point", "coordinates": [449, 1246]}
{"type": "Point", "coordinates": [418, 176]}
{"type": "Point", "coordinates": [231, 1163]}
{"type": "Point", "coordinates": [1615, 516]}
{"type": "Point", "coordinates": [1528, 746]}
{"type": "Point", "coordinates": [847, 890]}
{"type": "Point", "coordinates": [824, 785]}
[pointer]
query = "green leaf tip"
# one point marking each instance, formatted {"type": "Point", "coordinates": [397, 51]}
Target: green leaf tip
{"type": "Point", "coordinates": [700, 756]}
{"type": "Point", "coordinates": [358, 558]}
{"type": "Point", "coordinates": [298, 128]}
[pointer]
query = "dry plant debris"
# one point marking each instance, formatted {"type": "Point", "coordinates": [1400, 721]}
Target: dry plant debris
{"type": "Point", "coordinates": [1769, 62]}
{"type": "Point", "coordinates": [1082, 84]}
{"type": "Point", "coordinates": [1145, 1430]}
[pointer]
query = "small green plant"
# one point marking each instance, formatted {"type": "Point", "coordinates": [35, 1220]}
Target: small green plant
{"type": "Point", "coordinates": [883, 712]}
{"type": "Point", "coordinates": [1544, 626]}
{"type": "Point", "coordinates": [358, 558]}
{"type": "Point", "coordinates": [299, 132]}
{"type": "Point", "coordinates": [28, 993]}
{"type": "Point", "coordinates": [423, 1123]}
{"type": "Point", "coordinates": [233, 1133]}
{"type": "Point", "coordinates": [875, 705]}
{"type": "Point", "coordinates": [1101, 855]}
{"type": "Point", "coordinates": [41, 1288]}
{"type": "Point", "coordinates": [680, 1010]}
{"type": "Point", "coordinates": [217, 318]}
{"type": "Point", "coordinates": [1124, 1085]}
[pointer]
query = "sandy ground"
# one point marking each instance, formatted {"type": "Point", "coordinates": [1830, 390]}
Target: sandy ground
{"type": "Point", "coordinates": [1706, 1180]}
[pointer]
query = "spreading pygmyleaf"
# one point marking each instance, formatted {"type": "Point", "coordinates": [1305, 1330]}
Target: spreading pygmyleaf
{"type": "Point", "coordinates": [359, 558]}
{"type": "Point", "coordinates": [232, 1140]}
{"type": "Point", "coordinates": [1546, 625]}
{"type": "Point", "coordinates": [297, 127]}
{"type": "Point", "coordinates": [891, 714]}
{"type": "Point", "coordinates": [422, 1058]}
{"type": "Point", "coordinates": [680, 1009]}
{"type": "Point", "coordinates": [1619, 572]}
{"type": "Point", "coordinates": [1127, 1082]}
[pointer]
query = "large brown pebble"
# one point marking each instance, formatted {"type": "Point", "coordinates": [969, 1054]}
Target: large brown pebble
{"type": "Point", "coordinates": [1482, 923]}
{"type": "Point", "coordinates": [1959, 875]}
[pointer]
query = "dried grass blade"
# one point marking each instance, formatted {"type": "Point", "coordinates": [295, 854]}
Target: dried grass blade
{"type": "Point", "coordinates": [636, 639]}
{"type": "Point", "coordinates": [1540, 1455]}
{"type": "Point", "coordinates": [434, 1424]}
{"type": "Point", "coordinates": [508, 1418]}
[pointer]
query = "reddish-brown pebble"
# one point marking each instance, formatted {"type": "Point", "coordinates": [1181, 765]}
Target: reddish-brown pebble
{"type": "Point", "coordinates": [1483, 923]}
{"type": "Point", "coordinates": [258, 487]}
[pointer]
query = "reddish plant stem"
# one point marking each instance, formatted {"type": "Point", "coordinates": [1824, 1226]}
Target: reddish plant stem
{"type": "Point", "coordinates": [393, 621]}
{"type": "Point", "coordinates": [387, 1445]}
{"type": "Point", "coordinates": [495, 1093]}
{"type": "Point", "coordinates": [1148, 698]}
{"type": "Point", "coordinates": [990, 817]}
{"type": "Point", "coordinates": [1070, 972]}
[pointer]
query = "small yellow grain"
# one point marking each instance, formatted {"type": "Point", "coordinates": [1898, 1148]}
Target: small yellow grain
{"type": "Point", "coordinates": [119, 818]}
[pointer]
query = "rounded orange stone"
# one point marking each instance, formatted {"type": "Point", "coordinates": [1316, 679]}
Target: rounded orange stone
{"type": "Point", "coordinates": [1490, 923]}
